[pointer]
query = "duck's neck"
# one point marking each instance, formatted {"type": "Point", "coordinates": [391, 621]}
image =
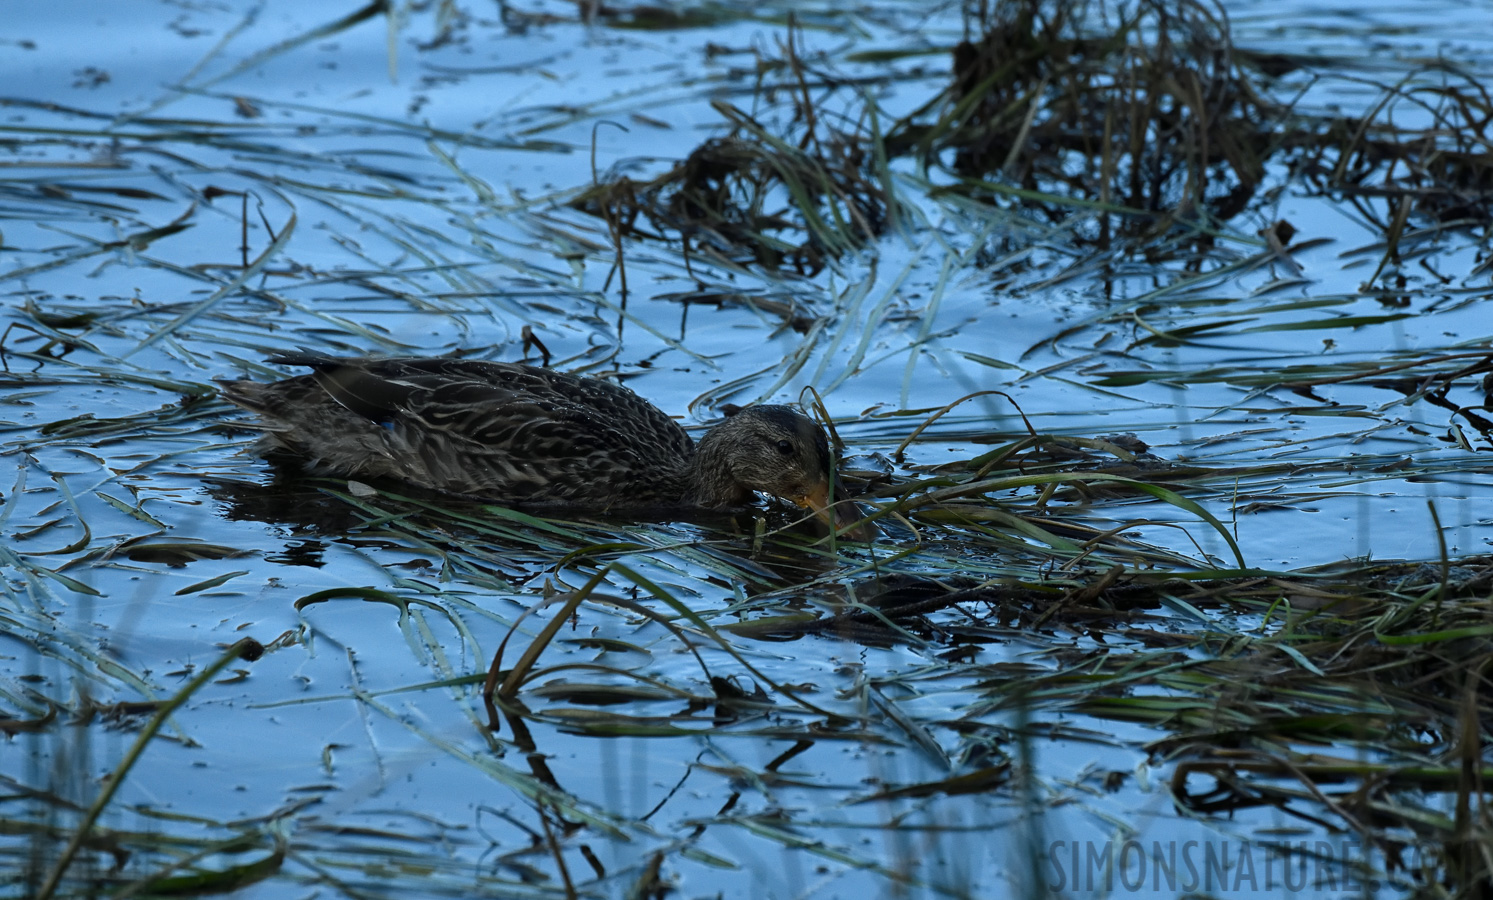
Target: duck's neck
{"type": "Point", "coordinates": [711, 483]}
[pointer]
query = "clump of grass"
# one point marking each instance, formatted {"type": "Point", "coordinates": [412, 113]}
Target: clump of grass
{"type": "Point", "coordinates": [1150, 109]}
{"type": "Point", "coordinates": [788, 198]}
{"type": "Point", "coordinates": [1436, 164]}
{"type": "Point", "coordinates": [1146, 108]}
{"type": "Point", "coordinates": [753, 198]}
{"type": "Point", "coordinates": [1146, 112]}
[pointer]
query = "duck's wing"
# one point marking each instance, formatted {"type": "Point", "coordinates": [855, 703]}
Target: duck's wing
{"type": "Point", "coordinates": [511, 430]}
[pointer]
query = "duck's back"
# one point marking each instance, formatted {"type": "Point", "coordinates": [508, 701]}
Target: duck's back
{"type": "Point", "coordinates": [515, 432]}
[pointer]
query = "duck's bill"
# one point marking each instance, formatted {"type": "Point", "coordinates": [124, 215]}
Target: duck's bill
{"type": "Point", "coordinates": [844, 516]}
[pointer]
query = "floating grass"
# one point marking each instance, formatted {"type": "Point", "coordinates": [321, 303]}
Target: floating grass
{"type": "Point", "coordinates": [1076, 208]}
{"type": "Point", "coordinates": [248, 649]}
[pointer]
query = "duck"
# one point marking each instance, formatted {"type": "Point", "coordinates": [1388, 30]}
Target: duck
{"type": "Point", "coordinates": [532, 436]}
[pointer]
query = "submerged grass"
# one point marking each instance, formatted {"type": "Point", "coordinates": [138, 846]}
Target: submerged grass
{"type": "Point", "coordinates": [1313, 660]}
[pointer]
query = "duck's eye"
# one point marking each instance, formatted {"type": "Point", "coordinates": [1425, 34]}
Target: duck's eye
{"type": "Point", "coordinates": [785, 448]}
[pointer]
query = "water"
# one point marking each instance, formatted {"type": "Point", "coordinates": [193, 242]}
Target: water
{"type": "Point", "coordinates": [414, 201]}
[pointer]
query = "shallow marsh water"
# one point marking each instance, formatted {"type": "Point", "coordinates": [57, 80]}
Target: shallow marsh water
{"type": "Point", "coordinates": [186, 188]}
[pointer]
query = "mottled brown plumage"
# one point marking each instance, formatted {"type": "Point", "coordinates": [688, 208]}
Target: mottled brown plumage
{"type": "Point", "coordinates": [527, 435]}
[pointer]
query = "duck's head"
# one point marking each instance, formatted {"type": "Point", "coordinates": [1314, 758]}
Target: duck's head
{"type": "Point", "coordinates": [780, 451]}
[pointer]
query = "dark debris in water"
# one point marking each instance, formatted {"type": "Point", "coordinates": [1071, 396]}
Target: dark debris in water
{"type": "Point", "coordinates": [1149, 111]}
{"type": "Point", "coordinates": [752, 199]}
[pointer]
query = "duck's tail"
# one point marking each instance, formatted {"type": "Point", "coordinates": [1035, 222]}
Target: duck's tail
{"type": "Point", "coordinates": [251, 395]}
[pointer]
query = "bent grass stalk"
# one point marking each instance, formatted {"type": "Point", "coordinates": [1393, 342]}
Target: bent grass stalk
{"type": "Point", "coordinates": [246, 649]}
